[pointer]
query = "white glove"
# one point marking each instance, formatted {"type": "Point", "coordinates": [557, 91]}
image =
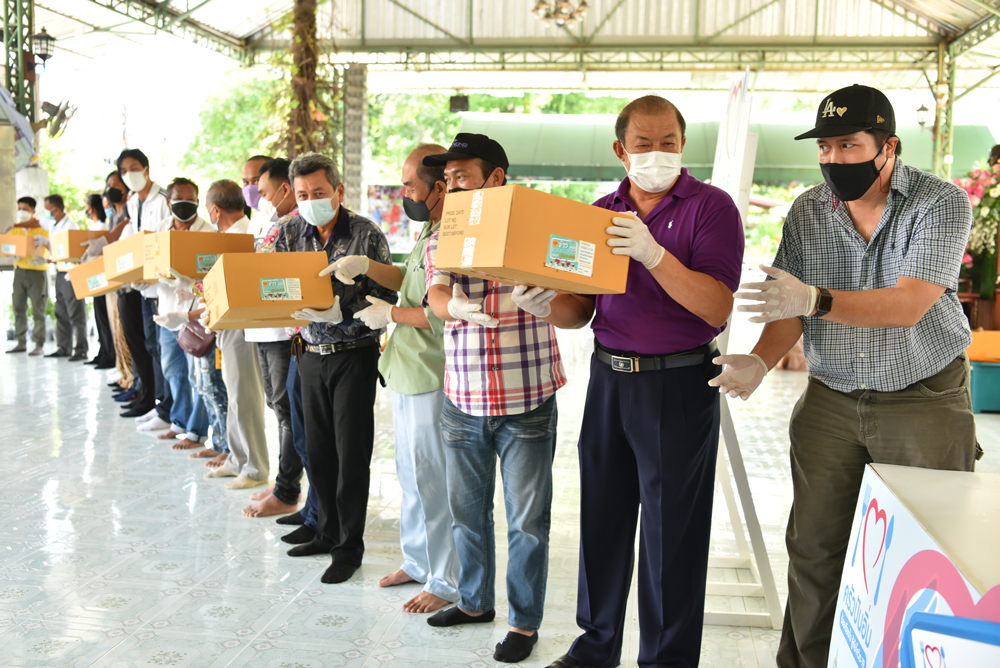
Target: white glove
{"type": "Point", "coordinates": [347, 267]}
{"type": "Point", "coordinates": [65, 275]}
{"type": "Point", "coordinates": [171, 321]}
{"type": "Point", "coordinates": [536, 301]}
{"type": "Point", "coordinates": [376, 316]}
{"type": "Point", "coordinates": [40, 241]}
{"type": "Point", "coordinates": [635, 241]}
{"type": "Point", "coordinates": [460, 308]}
{"type": "Point", "coordinates": [94, 247]}
{"type": "Point", "coordinates": [743, 374]}
{"type": "Point", "coordinates": [332, 315]}
{"type": "Point", "coordinates": [184, 295]}
{"type": "Point", "coordinates": [786, 297]}
{"type": "Point", "coordinates": [176, 280]}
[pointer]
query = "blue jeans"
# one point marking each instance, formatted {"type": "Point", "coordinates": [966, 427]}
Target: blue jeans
{"type": "Point", "coordinates": [187, 412]}
{"type": "Point", "coordinates": [526, 445]}
{"type": "Point", "coordinates": [213, 391]}
{"type": "Point", "coordinates": [294, 387]}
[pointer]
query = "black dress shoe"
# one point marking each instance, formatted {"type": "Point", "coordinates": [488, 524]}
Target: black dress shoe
{"type": "Point", "coordinates": [116, 387]}
{"type": "Point", "coordinates": [566, 661]}
{"type": "Point", "coordinates": [58, 354]}
{"type": "Point", "coordinates": [91, 362]}
{"type": "Point", "coordinates": [137, 411]}
{"type": "Point", "coordinates": [129, 406]}
{"type": "Point", "coordinates": [102, 366]}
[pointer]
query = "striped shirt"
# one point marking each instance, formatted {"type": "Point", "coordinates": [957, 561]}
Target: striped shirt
{"type": "Point", "coordinates": [509, 370]}
{"type": "Point", "coordinates": [922, 234]}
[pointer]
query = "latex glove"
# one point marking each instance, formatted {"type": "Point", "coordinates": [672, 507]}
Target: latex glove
{"type": "Point", "coordinates": [635, 241]}
{"type": "Point", "coordinates": [171, 321]}
{"type": "Point", "coordinates": [184, 295]}
{"type": "Point", "coordinates": [376, 316]}
{"type": "Point", "coordinates": [332, 315]}
{"type": "Point", "coordinates": [460, 308]}
{"type": "Point", "coordinates": [347, 267]}
{"type": "Point", "coordinates": [40, 241]}
{"type": "Point", "coordinates": [536, 301]}
{"type": "Point", "coordinates": [65, 276]}
{"type": "Point", "coordinates": [785, 297]}
{"type": "Point", "coordinates": [203, 319]}
{"type": "Point", "coordinates": [743, 374]}
{"type": "Point", "coordinates": [39, 260]}
{"type": "Point", "coordinates": [176, 280]}
{"type": "Point", "coordinates": [94, 247]}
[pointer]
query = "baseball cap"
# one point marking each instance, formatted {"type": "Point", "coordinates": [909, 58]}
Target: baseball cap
{"type": "Point", "coordinates": [467, 146]}
{"type": "Point", "coordinates": [850, 110]}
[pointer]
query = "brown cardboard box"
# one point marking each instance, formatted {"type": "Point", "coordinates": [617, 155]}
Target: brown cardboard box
{"type": "Point", "coordinates": [191, 253]}
{"type": "Point", "coordinates": [90, 280]}
{"type": "Point", "coordinates": [245, 290]}
{"type": "Point", "coordinates": [123, 259]}
{"type": "Point", "coordinates": [514, 234]}
{"type": "Point", "coordinates": [18, 245]}
{"type": "Point", "coordinates": [66, 245]}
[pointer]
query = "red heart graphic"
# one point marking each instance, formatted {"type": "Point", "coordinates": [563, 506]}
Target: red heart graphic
{"type": "Point", "coordinates": [879, 517]}
{"type": "Point", "coordinates": [932, 655]}
{"type": "Point", "coordinates": [930, 569]}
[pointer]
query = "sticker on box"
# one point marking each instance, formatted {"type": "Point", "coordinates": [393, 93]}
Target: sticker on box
{"type": "Point", "coordinates": [576, 257]}
{"type": "Point", "coordinates": [468, 250]}
{"type": "Point", "coordinates": [8, 249]}
{"type": "Point", "coordinates": [124, 263]}
{"type": "Point", "coordinates": [280, 289]}
{"type": "Point", "coordinates": [60, 251]}
{"type": "Point", "coordinates": [204, 263]}
{"type": "Point", "coordinates": [96, 282]}
{"type": "Point", "coordinates": [477, 208]}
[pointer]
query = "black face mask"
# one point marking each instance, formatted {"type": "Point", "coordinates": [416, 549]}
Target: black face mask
{"type": "Point", "coordinates": [183, 210]}
{"type": "Point", "coordinates": [417, 211]}
{"type": "Point", "coordinates": [851, 182]}
{"type": "Point", "coordinates": [114, 195]}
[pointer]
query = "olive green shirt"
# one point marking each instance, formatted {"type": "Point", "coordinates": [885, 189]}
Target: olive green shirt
{"type": "Point", "coordinates": [413, 360]}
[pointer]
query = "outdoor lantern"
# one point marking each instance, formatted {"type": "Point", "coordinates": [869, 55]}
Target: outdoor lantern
{"type": "Point", "coordinates": [43, 42]}
{"type": "Point", "coordinates": [540, 9]}
{"type": "Point", "coordinates": [922, 116]}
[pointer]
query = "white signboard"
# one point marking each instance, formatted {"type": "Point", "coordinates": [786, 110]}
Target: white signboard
{"type": "Point", "coordinates": [736, 149]}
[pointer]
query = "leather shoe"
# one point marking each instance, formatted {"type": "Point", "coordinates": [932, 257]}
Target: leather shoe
{"type": "Point", "coordinates": [19, 348]}
{"type": "Point", "coordinates": [91, 362]}
{"type": "Point", "coordinates": [58, 354]}
{"type": "Point", "coordinates": [102, 365]}
{"type": "Point", "coordinates": [137, 411]}
{"type": "Point", "coordinates": [566, 661]}
{"type": "Point", "coordinates": [77, 358]}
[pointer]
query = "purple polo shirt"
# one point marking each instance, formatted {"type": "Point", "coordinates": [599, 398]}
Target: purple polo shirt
{"type": "Point", "coordinates": [700, 226]}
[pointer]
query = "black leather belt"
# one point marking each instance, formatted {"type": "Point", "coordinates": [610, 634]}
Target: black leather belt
{"type": "Point", "coordinates": [333, 348]}
{"type": "Point", "coordinates": [638, 363]}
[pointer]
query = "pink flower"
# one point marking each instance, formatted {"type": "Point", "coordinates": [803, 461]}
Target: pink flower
{"type": "Point", "coordinates": [974, 201]}
{"type": "Point", "coordinates": [977, 192]}
{"type": "Point", "coordinates": [967, 259]}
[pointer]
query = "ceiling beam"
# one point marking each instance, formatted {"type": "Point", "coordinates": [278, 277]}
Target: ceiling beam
{"type": "Point", "coordinates": [978, 33]}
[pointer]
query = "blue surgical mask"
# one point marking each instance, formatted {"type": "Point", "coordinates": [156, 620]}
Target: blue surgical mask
{"type": "Point", "coordinates": [317, 211]}
{"type": "Point", "coordinates": [108, 213]}
{"type": "Point", "coordinates": [48, 215]}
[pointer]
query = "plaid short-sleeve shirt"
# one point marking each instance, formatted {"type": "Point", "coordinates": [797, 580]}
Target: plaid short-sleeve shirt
{"type": "Point", "coordinates": [922, 234]}
{"type": "Point", "coordinates": [509, 370]}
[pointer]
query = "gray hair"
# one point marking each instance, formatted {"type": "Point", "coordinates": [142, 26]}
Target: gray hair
{"type": "Point", "coordinates": [226, 195]}
{"type": "Point", "coordinates": [308, 163]}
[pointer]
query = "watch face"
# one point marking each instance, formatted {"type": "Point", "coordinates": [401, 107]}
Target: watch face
{"type": "Point", "coordinates": [825, 303]}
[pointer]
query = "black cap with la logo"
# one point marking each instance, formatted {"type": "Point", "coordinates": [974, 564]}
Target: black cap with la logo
{"type": "Point", "coordinates": [850, 110]}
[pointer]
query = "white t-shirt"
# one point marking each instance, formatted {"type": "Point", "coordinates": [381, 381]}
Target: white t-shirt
{"type": "Point", "coordinates": [153, 216]}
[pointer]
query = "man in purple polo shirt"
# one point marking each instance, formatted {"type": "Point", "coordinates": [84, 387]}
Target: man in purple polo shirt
{"type": "Point", "coordinates": [650, 430]}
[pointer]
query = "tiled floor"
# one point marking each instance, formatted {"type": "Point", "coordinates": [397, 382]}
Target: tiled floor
{"type": "Point", "coordinates": [114, 551]}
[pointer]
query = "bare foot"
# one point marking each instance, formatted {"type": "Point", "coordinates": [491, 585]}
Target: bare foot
{"type": "Point", "coordinates": [261, 495]}
{"type": "Point", "coordinates": [267, 507]}
{"type": "Point", "coordinates": [523, 632]}
{"type": "Point", "coordinates": [397, 578]}
{"type": "Point", "coordinates": [424, 602]}
{"type": "Point", "coordinates": [186, 444]}
{"type": "Point", "coordinates": [167, 435]}
{"type": "Point", "coordinates": [217, 461]}
{"type": "Point", "coordinates": [207, 452]}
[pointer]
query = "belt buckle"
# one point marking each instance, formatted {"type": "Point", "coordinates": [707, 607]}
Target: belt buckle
{"type": "Point", "coordinates": [625, 364]}
{"type": "Point", "coordinates": [326, 349]}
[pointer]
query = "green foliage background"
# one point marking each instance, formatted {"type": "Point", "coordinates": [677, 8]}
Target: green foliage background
{"type": "Point", "coordinates": [73, 184]}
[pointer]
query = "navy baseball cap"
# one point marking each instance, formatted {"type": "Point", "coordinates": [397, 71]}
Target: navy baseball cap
{"type": "Point", "coordinates": [850, 110]}
{"type": "Point", "coordinates": [467, 146]}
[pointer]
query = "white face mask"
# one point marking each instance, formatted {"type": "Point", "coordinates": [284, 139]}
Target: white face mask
{"type": "Point", "coordinates": [135, 181]}
{"type": "Point", "coordinates": [23, 216]}
{"type": "Point", "coordinates": [654, 171]}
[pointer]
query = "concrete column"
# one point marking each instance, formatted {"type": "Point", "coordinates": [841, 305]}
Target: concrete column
{"type": "Point", "coordinates": [355, 134]}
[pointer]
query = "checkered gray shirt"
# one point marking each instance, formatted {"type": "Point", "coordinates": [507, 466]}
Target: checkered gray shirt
{"type": "Point", "coordinates": [922, 234]}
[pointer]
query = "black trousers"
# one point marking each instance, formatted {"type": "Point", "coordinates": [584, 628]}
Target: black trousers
{"type": "Point", "coordinates": [106, 354]}
{"type": "Point", "coordinates": [338, 402]}
{"type": "Point", "coordinates": [274, 358]}
{"type": "Point", "coordinates": [130, 315]}
{"type": "Point", "coordinates": [648, 439]}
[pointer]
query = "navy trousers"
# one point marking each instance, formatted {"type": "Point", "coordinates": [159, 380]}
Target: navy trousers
{"type": "Point", "coordinates": [648, 439]}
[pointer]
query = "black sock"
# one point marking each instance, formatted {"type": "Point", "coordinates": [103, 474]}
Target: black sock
{"type": "Point", "coordinates": [515, 647]}
{"type": "Point", "coordinates": [301, 535]}
{"type": "Point", "coordinates": [315, 546]}
{"type": "Point", "coordinates": [454, 616]}
{"type": "Point", "coordinates": [338, 573]}
{"type": "Point", "coordinates": [294, 518]}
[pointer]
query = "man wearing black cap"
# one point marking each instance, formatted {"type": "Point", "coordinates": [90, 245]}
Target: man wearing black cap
{"type": "Point", "coordinates": [502, 370]}
{"type": "Point", "coordinates": [867, 273]}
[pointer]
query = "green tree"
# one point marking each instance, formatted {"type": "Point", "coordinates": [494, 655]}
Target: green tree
{"type": "Point", "coordinates": [74, 183]}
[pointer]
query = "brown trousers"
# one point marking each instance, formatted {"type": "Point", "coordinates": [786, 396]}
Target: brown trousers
{"type": "Point", "coordinates": [833, 436]}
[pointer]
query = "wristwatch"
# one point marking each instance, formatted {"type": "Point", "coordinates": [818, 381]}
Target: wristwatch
{"type": "Point", "coordinates": [825, 302]}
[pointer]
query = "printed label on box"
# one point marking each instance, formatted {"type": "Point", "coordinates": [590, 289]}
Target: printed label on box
{"type": "Point", "coordinates": [280, 289]}
{"type": "Point", "coordinates": [576, 257]}
{"type": "Point", "coordinates": [96, 282]}
{"type": "Point", "coordinates": [60, 251]}
{"type": "Point", "coordinates": [477, 208]}
{"type": "Point", "coordinates": [204, 263]}
{"type": "Point", "coordinates": [468, 250]}
{"type": "Point", "coordinates": [8, 249]}
{"type": "Point", "coordinates": [124, 263]}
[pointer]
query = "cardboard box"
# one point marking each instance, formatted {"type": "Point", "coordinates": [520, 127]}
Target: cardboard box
{"type": "Point", "coordinates": [123, 259]}
{"type": "Point", "coordinates": [90, 280]}
{"type": "Point", "coordinates": [66, 245]}
{"type": "Point", "coordinates": [246, 290]}
{"type": "Point", "coordinates": [18, 245]}
{"type": "Point", "coordinates": [193, 254]}
{"type": "Point", "coordinates": [514, 234]}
